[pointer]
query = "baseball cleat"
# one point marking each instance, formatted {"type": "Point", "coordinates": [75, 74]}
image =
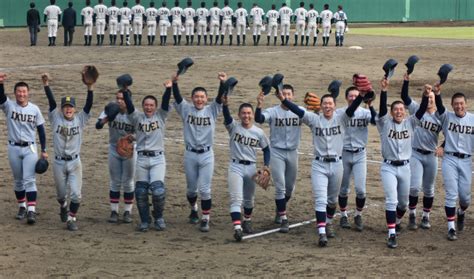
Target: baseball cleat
{"type": "Point", "coordinates": [247, 226]}
{"type": "Point", "coordinates": [127, 217]}
{"type": "Point", "coordinates": [452, 236]}
{"type": "Point", "coordinates": [392, 241]}
{"type": "Point", "coordinates": [63, 214]}
{"type": "Point", "coordinates": [285, 226]}
{"type": "Point", "coordinates": [193, 217]}
{"type": "Point", "coordinates": [460, 222]}
{"type": "Point", "coordinates": [204, 226]}
{"type": "Point", "coordinates": [344, 222]}
{"type": "Point", "coordinates": [143, 227]}
{"type": "Point", "coordinates": [21, 213]}
{"type": "Point", "coordinates": [358, 223]}
{"type": "Point", "coordinates": [238, 235]}
{"type": "Point", "coordinates": [425, 223]}
{"type": "Point", "coordinates": [330, 232]}
{"type": "Point", "coordinates": [31, 217]}
{"type": "Point", "coordinates": [72, 226]}
{"type": "Point", "coordinates": [160, 224]}
{"type": "Point", "coordinates": [412, 222]}
{"type": "Point", "coordinates": [323, 240]}
{"type": "Point", "coordinates": [277, 218]}
{"type": "Point", "coordinates": [114, 217]}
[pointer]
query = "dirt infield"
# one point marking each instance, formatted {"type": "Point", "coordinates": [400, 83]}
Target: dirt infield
{"type": "Point", "coordinates": [100, 249]}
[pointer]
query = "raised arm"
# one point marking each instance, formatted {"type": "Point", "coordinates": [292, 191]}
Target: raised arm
{"type": "Point", "coordinates": [423, 106]}
{"type": "Point", "coordinates": [259, 117]}
{"type": "Point", "coordinates": [291, 106]}
{"type": "Point", "coordinates": [165, 100]}
{"type": "Point", "coordinates": [89, 98]}
{"type": "Point", "coordinates": [47, 90]}
{"type": "Point", "coordinates": [405, 97]}
{"type": "Point", "coordinates": [438, 100]}
{"type": "Point", "coordinates": [225, 111]}
{"type": "Point", "coordinates": [355, 104]}
{"type": "Point", "coordinates": [222, 78]}
{"type": "Point", "coordinates": [176, 94]}
{"type": "Point", "coordinates": [128, 102]}
{"type": "Point", "coordinates": [3, 97]}
{"type": "Point", "coordinates": [383, 97]}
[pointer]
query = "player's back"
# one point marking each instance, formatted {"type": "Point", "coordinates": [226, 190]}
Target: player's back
{"type": "Point", "coordinates": [300, 13]}
{"type": "Point", "coordinates": [100, 11]}
{"type": "Point", "coordinates": [189, 13]}
{"type": "Point", "coordinates": [176, 12]}
{"type": "Point", "coordinates": [202, 14]}
{"type": "Point", "coordinates": [151, 14]}
{"type": "Point", "coordinates": [214, 12]}
{"type": "Point", "coordinates": [88, 13]}
{"type": "Point", "coordinates": [285, 13]}
{"type": "Point", "coordinates": [326, 17]}
{"type": "Point", "coordinates": [241, 14]}
{"type": "Point", "coordinates": [113, 12]}
{"type": "Point", "coordinates": [227, 13]}
{"type": "Point", "coordinates": [125, 13]}
{"type": "Point", "coordinates": [52, 11]}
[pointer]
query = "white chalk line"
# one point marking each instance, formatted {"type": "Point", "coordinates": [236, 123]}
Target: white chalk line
{"type": "Point", "coordinates": [233, 54]}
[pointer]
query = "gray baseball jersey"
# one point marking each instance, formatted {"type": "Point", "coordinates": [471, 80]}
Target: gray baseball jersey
{"type": "Point", "coordinates": [357, 131]}
{"type": "Point", "coordinates": [328, 135]}
{"type": "Point", "coordinates": [285, 127]}
{"type": "Point", "coordinates": [121, 126]}
{"type": "Point", "coordinates": [67, 134]}
{"type": "Point", "coordinates": [22, 121]}
{"type": "Point", "coordinates": [243, 142]}
{"type": "Point", "coordinates": [427, 131]}
{"type": "Point", "coordinates": [150, 132]}
{"type": "Point", "coordinates": [458, 132]}
{"type": "Point", "coordinates": [198, 125]}
{"type": "Point", "coordinates": [396, 138]}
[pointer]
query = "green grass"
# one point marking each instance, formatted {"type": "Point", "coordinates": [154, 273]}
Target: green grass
{"type": "Point", "coordinates": [419, 32]}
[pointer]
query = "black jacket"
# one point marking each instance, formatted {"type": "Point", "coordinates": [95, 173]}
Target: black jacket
{"type": "Point", "coordinates": [69, 18]}
{"type": "Point", "coordinates": [33, 17]}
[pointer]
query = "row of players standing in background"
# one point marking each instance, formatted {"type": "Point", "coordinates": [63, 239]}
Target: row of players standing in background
{"type": "Point", "coordinates": [214, 22]}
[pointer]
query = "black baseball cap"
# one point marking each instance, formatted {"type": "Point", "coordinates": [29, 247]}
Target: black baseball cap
{"type": "Point", "coordinates": [68, 101]}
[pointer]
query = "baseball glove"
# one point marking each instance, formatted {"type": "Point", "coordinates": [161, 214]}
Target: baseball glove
{"type": "Point", "coordinates": [125, 146]}
{"type": "Point", "coordinates": [262, 177]}
{"type": "Point", "coordinates": [112, 109]}
{"type": "Point", "coordinates": [362, 83]}
{"type": "Point", "coordinates": [312, 102]}
{"type": "Point", "coordinates": [90, 74]}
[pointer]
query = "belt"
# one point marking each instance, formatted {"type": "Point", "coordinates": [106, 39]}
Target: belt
{"type": "Point", "coordinates": [422, 151]}
{"type": "Point", "coordinates": [21, 143]}
{"type": "Point", "coordinates": [198, 151]}
{"type": "Point", "coordinates": [357, 150]}
{"type": "Point", "coordinates": [150, 153]}
{"type": "Point", "coordinates": [67, 157]}
{"type": "Point", "coordinates": [243, 162]}
{"type": "Point", "coordinates": [328, 159]}
{"type": "Point", "coordinates": [459, 155]}
{"type": "Point", "coordinates": [397, 163]}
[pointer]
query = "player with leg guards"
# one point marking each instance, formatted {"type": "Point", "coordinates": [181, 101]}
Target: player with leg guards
{"type": "Point", "coordinates": [23, 120]}
{"type": "Point", "coordinates": [285, 135]}
{"type": "Point", "coordinates": [244, 140]}
{"type": "Point", "coordinates": [458, 130]}
{"type": "Point", "coordinates": [151, 165]}
{"type": "Point", "coordinates": [396, 134]}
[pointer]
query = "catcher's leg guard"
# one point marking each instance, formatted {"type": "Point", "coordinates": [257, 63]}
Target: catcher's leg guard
{"type": "Point", "coordinates": [158, 200]}
{"type": "Point", "coordinates": [337, 40]}
{"type": "Point", "coordinates": [141, 196]}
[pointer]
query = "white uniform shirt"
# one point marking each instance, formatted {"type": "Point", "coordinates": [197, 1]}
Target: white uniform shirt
{"type": "Point", "coordinates": [241, 16]}
{"type": "Point", "coordinates": [121, 126]}
{"type": "Point", "coordinates": [52, 12]}
{"type": "Point", "coordinates": [285, 14]}
{"type": "Point", "coordinates": [164, 14]}
{"type": "Point", "coordinates": [357, 128]}
{"type": "Point", "coordinates": [285, 127]}
{"type": "Point", "coordinates": [202, 14]}
{"type": "Point", "coordinates": [88, 14]}
{"type": "Point", "coordinates": [215, 12]}
{"type": "Point", "coordinates": [138, 11]}
{"type": "Point", "coordinates": [125, 13]}
{"type": "Point", "coordinates": [312, 16]}
{"type": "Point", "coordinates": [340, 16]}
{"type": "Point", "coordinates": [396, 137]}
{"type": "Point", "coordinates": [273, 16]}
{"type": "Point", "coordinates": [22, 121]}
{"type": "Point", "coordinates": [151, 14]}
{"type": "Point", "coordinates": [326, 17]}
{"type": "Point", "coordinates": [257, 13]}
{"type": "Point", "coordinates": [427, 131]}
{"type": "Point", "coordinates": [67, 134]}
{"type": "Point", "coordinates": [458, 132]}
{"type": "Point", "coordinates": [113, 13]}
{"type": "Point", "coordinates": [100, 11]}
{"type": "Point", "coordinates": [189, 14]}
{"type": "Point", "coordinates": [301, 14]}
{"type": "Point", "coordinates": [176, 12]}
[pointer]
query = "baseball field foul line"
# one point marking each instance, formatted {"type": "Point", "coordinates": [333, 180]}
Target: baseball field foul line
{"type": "Point", "coordinates": [278, 229]}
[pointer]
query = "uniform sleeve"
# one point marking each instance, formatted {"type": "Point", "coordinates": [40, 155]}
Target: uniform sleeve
{"type": "Point", "coordinates": [230, 127]}
{"type": "Point", "coordinates": [83, 118]}
{"type": "Point", "coordinates": [267, 113]}
{"type": "Point", "coordinates": [216, 109]}
{"type": "Point", "coordinates": [182, 108]}
{"type": "Point", "coordinates": [264, 142]}
{"type": "Point", "coordinates": [162, 113]}
{"type": "Point", "coordinates": [309, 118]}
{"type": "Point", "coordinates": [45, 12]}
{"type": "Point", "coordinates": [6, 105]}
{"type": "Point", "coordinates": [134, 117]}
{"type": "Point", "coordinates": [39, 117]}
{"type": "Point", "coordinates": [381, 122]}
{"type": "Point", "coordinates": [413, 107]}
{"type": "Point", "coordinates": [102, 115]}
{"type": "Point", "coordinates": [53, 115]}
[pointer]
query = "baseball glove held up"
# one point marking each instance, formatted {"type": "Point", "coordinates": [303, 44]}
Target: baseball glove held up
{"type": "Point", "coordinates": [262, 177]}
{"type": "Point", "coordinates": [125, 146]}
{"type": "Point", "coordinates": [312, 102]}
{"type": "Point", "coordinates": [90, 74]}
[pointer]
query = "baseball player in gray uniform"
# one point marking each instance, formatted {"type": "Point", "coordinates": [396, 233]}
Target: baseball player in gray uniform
{"type": "Point", "coordinates": [285, 134]}
{"type": "Point", "coordinates": [151, 165]}
{"type": "Point", "coordinates": [244, 139]}
{"type": "Point", "coordinates": [67, 127]}
{"type": "Point", "coordinates": [458, 130]}
{"type": "Point", "coordinates": [328, 135]}
{"type": "Point", "coordinates": [396, 134]}
{"type": "Point", "coordinates": [199, 123]}
{"type": "Point", "coordinates": [23, 119]}
{"type": "Point", "coordinates": [121, 170]}
{"type": "Point", "coordinates": [354, 159]}
{"type": "Point", "coordinates": [423, 161]}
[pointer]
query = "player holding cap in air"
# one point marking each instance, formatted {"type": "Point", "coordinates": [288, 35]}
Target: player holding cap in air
{"type": "Point", "coordinates": [23, 120]}
{"type": "Point", "coordinates": [68, 127]}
